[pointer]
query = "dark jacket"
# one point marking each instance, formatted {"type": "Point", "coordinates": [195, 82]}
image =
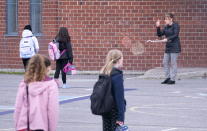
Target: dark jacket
{"type": "Point", "coordinates": [68, 54]}
{"type": "Point", "coordinates": [118, 92]}
{"type": "Point", "coordinates": [171, 32]}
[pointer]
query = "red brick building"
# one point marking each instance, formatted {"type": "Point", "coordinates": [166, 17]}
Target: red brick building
{"type": "Point", "coordinates": [96, 26]}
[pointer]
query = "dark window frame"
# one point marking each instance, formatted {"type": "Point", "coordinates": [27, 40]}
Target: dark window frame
{"type": "Point", "coordinates": [35, 4]}
{"type": "Point", "coordinates": [9, 31]}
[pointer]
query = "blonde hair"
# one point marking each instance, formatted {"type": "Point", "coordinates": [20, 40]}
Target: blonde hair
{"type": "Point", "coordinates": [36, 68]}
{"type": "Point", "coordinates": [112, 58]}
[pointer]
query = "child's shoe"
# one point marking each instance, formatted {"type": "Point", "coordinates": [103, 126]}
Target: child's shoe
{"type": "Point", "coordinates": [65, 86]}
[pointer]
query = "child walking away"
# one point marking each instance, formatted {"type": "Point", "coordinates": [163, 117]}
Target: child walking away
{"type": "Point", "coordinates": [28, 45]}
{"type": "Point", "coordinates": [65, 46]}
{"type": "Point", "coordinates": [37, 106]}
{"type": "Point", "coordinates": [114, 61]}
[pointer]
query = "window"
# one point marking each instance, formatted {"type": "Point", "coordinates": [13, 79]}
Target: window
{"type": "Point", "coordinates": [11, 17]}
{"type": "Point", "coordinates": [35, 16]}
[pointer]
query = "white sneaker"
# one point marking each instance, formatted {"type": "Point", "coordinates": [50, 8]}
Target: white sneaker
{"type": "Point", "coordinates": [65, 86]}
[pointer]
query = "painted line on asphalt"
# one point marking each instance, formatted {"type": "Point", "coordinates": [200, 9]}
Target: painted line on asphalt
{"type": "Point", "coordinates": [136, 109]}
{"type": "Point", "coordinates": [9, 129]}
{"type": "Point", "coordinates": [82, 80]}
{"type": "Point", "coordinates": [171, 129]}
{"type": "Point", "coordinates": [129, 78]}
{"type": "Point", "coordinates": [66, 100]}
{"type": "Point", "coordinates": [89, 80]}
{"type": "Point", "coordinates": [176, 92]}
{"type": "Point", "coordinates": [75, 99]}
{"type": "Point", "coordinates": [6, 107]}
{"type": "Point", "coordinates": [193, 97]}
{"type": "Point", "coordinates": [61, 98]}
{"type": "Point", "coordinates": [6, 112]}
{"type": "Point", "coordinates": [202, 94]}
{"type": "Point", "coordinates": [166, 108]}
{"type": "Point", "coordinates": [90, 89]}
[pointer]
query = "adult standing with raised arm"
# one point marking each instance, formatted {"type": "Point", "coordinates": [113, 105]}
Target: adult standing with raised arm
{"type": "Point", "coordinates": [172, 48]}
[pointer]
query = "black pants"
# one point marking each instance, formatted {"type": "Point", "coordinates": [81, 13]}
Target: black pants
{"type": "Point", "coordinates": [109, 120]}
{"type": "Point", "coordinates": [60, 64]}
{"type": "Point", "coordinates": [25, 62]}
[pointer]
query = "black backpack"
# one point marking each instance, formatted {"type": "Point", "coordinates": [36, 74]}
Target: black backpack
{"type": "Point", "coordinates": [101, 98]}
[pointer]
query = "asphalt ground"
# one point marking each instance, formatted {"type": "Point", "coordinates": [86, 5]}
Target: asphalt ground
{"type": "Point", "coordinates": [151, 106]}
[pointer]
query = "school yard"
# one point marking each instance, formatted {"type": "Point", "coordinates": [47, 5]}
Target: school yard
{"type": "Point", "coordinates": [150, 105]}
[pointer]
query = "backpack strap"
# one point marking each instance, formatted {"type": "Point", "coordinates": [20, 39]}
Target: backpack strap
{"type": "Point", "coordinates": [28, 36]}
{"type": "Point", "coordinates": [63, 52]}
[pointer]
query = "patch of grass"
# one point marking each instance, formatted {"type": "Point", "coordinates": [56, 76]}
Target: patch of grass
{"type": "Point", "coordinates": [13, 73]}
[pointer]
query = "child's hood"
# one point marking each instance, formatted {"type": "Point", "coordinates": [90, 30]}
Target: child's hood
{"type": "Point", "coordinates": [36, 88]}
{"type": "Point", "coordinates": [26, 33]}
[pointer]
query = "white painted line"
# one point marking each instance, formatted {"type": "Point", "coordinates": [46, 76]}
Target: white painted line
{"type": "Point", "coordinates": [202, 94]}
{"type": "Point", "coordinates": [61, 98]}
{"type": "Point", "coordinates": [171, 129]}
{"type": "Point", "coordinates": [89, 89]}
{"type": "Point", "coordinates": [88, 80]}
{"type": "Point", "coordinates": [6, 108]}
{"type": "Point", "coordinates": [82, 80]}
{"type": "Point", "coordinates": [73, 97]}
{"type": "Point", "coordinates": [136, 109]}
{"type": "Point", "coordinates": [176, 92]}
{"type": "Point", "coordinates": [79, 96]}
{"type": "Point", "coordinates": [152, 105]}
{"type": "Point", "coordinates": [142, 109]}
{"type": "Point", "coordinates": [165, 106]}
{"type": "Point", "coordinates": [132, 78]}
{"type": "Point", "coordinates": [193, 97]}
{"type": "Point", "coordinates": [9, 129]}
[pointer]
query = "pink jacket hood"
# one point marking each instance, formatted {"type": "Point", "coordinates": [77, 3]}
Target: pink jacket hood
{"type": "Point", "coordinates": [43, 106]}
{"type": "Point", "coordinates": [37, 88]}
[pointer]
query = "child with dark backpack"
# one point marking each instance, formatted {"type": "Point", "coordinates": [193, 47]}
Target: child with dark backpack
{"type": "Point", "coordinates": [37, 105]}
{"type": "Point", "coordinates": [115, 117]}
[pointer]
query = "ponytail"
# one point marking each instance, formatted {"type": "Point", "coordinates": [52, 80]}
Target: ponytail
{"type": "Point", "coordinates": [112, 58]}
{"type": "Point", "coordinates": [107, 68]}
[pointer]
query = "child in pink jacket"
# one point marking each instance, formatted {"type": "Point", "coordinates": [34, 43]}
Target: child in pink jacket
{"type": "Point", "coordinates": [37, 108]}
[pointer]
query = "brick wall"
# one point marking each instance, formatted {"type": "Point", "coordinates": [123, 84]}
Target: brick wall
{"type": "Point", "coordinates": [96, 26]}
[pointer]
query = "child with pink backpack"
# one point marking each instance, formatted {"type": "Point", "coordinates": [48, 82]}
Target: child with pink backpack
{"type": "Point", "coordinates": [60, 50]}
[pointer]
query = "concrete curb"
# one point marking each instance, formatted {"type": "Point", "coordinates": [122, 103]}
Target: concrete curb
{"type": "Point", "coordinates": [157, 73]}
{"type": "Point", "coordinates": [10, 71]}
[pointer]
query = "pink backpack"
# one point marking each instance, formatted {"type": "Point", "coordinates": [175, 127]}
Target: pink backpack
{"type": "Point", "coordinates": [53, 50]}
